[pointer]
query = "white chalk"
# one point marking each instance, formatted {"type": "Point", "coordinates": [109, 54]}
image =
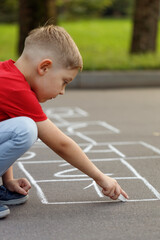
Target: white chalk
{"type": "Point", "coordinates": [122, 198]}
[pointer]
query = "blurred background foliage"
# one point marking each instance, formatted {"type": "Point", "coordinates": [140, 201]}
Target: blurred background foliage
{"type": "Point", "coordinates": [73, 9]}
{"type": "Point", "coordinates": [69, 9]}
{"type": "Point", "coordinates": [8, 11]}
{"type": "Point", "coordinates": [102, 29]}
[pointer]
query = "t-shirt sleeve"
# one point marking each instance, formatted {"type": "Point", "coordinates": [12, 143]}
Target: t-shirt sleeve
{"type": "Point", "coordinates": [24, 103]}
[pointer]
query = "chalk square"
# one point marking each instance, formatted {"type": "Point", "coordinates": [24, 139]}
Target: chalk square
{"type": "Point", "coordinates": [65, 192]}
{"type": "Point", "coordinates": [136, 149]}
{"type": "Point", "coordinates": [55, 170]}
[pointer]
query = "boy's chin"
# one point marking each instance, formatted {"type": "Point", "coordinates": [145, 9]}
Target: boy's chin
{"type": "Point", "coordinates": [42, 100]}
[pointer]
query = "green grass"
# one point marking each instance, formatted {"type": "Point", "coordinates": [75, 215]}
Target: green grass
{"type": "Point", "coordinates": [103, 43]}
{"type": "Point", "coordinates": [8, 41]}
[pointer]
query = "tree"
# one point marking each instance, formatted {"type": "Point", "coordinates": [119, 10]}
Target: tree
{"type": "Point", "coordinates": [32, 14]}
{"type": "Point", "coordinates": [145, 27]}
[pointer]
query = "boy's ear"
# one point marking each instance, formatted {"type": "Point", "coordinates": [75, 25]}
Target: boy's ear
{"type": "Point", "coordinates": [44, 66]}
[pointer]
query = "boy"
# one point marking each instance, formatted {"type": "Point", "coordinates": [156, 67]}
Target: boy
{"type": "Point", "coordinates": [49, 62]}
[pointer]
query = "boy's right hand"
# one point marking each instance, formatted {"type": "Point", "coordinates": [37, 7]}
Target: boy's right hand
{"type": "Point", "coordinates": [111, 188]}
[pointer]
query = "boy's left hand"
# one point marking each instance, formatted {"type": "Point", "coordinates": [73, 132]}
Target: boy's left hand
{"type": "Point", "coordinates": [20, 185]}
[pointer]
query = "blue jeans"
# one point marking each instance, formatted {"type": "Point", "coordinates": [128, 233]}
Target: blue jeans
{"type": "Point", "coordinates": [17, 135]}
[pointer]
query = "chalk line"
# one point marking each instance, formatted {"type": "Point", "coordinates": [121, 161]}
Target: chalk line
{"type": "Point", "coordinates": [33, 182]}
{"type": "Point", "coordinates": [96, 188]}
{"type": "Point", "coordinates": [116, 150]}
{"type": "Point", "coordinates": [81, 112]}
{"type": "Point", "coordinates": [88, 148]}
{"type": "Point", "coordinates": [62, 173]}
{"type": "Point", "coordinates": [84, 137]}
{"type": "Point", "coordinates": [109, 201]}
{"type": "Point", "coordinates": [154, 149]}
{"type": "Point", "coordinates": [110, 127]}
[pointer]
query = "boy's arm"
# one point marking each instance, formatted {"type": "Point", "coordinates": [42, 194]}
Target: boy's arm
{"type": "Point", "coordinates": [8, 175]}
{"type": "Point", "coordinates": [72, 153]}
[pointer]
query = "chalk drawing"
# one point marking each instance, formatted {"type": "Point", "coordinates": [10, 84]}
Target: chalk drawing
{"type": "Point", "coordinates": [96, 188]}
{"type": "Point", "coordinates": [89, 145]}
{"type": "Point", "coordinates": [153, 190]}
{"type": "Point", "coordinates": [33, 182]}
{"type": "Point", "coordinates": [66, 112]}
{"type": "Point", "coordinates": [27, 155]}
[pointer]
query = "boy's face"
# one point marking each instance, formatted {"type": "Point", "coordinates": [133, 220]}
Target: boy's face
{"type": "Point", "coordinates": [52, 83]}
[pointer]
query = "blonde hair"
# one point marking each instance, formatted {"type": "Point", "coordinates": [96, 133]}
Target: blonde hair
{"type": "Point", "coordinates": [56, 42]}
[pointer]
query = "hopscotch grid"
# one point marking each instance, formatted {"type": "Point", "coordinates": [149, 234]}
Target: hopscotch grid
{"type": "Point", "coordinates": [72, 130]}
{"type": "Point", "coordinates": [43, 198]}
{"type": "Point", "coordinates": [45, 201]}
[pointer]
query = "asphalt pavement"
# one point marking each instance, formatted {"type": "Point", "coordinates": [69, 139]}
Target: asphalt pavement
{"type": "Point", "coordinates": [119, 130]}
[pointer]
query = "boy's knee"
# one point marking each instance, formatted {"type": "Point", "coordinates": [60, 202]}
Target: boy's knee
{"type": "Point", "coordinates": [27, 130]}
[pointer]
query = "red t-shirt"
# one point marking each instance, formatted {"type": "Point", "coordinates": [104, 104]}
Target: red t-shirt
{"type": "Point", "coordinates": [16, 97]}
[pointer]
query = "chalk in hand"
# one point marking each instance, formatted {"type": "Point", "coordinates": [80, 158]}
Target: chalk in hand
{"type": "Point", "coordinates": [122, 198]}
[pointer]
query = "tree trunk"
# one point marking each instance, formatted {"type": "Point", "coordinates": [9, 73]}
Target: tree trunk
{"type": "Point", "coordinates": [32, 14]}
{"type": "Point", "coordinates": [145, 26]}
